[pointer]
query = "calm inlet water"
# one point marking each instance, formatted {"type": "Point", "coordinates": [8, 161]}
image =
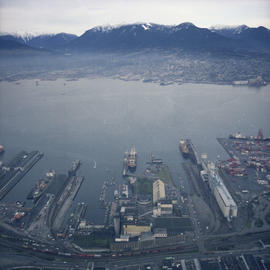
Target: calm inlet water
{"type": "Point", "coordinates": [99, 119]}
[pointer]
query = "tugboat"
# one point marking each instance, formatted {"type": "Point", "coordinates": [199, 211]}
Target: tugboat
{"type": "Point", "coordinates": [132, 160]}
{"type": "Point", "coordinates": [50, 174]}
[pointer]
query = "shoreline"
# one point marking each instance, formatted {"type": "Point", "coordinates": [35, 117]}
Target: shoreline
{"type": "Point", "coordinates": [115, 77]}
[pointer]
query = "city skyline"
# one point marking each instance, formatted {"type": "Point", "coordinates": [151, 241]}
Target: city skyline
{"type": "Point", "coordinates": [37, 17]}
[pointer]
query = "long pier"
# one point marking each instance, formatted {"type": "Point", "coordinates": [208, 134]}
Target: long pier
{"type": "Point", "coordinates": [10, 175]}
{"type": "Point", "coordinates": [65, 200]}
{"type": "Point", "coordinates": [193, 153]}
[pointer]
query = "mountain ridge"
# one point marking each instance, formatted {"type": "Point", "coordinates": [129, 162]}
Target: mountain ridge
{"type": "Point", "coordinates": [138, 36]}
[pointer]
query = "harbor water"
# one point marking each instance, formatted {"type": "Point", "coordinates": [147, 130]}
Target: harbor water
{"type": "Point", "coordinates": [97, 120]}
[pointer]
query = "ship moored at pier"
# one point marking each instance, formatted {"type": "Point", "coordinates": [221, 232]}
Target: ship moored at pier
{"type": "Point", "coordinates": [41, 186]}
{"type": "Point", "coordinates": [75, 166]}
{"type": "Point", "coordinates": [240, 136]}
{"type": "Point", "coordinates": [132, 159]}
{"type": "Point", "coordinates": [183, 148]}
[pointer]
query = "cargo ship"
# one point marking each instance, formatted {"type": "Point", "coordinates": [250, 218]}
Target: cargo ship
{"type": "Point", "coordinates": [75, 166]}
{"type": "Point", "coordinates": [259, 137]}
{"type": "Point", "coordinates": [183, 148]}
{"type": "Point", "coordinates": [41, 186]}
{"type": "Point", "coordinates": [132, 159]}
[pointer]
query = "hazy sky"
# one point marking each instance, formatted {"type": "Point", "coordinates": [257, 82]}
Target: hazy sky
{"type": "Point", "coordinates": [77, 16]}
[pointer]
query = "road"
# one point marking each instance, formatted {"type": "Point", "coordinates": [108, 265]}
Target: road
{"type": "Point", "coordinates": [16, 259]}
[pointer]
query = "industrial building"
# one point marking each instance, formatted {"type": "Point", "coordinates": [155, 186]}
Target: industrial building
{"type": "Point", "coordinates": [158, 191]}
{"type": "Point", "coordinates": [225, 202]}
{"type": "Point", "coordinates": [221, 193]}
{"type": "Point", "coordinates": [160, 232]}
{"type": "Point", "coordinates": [135, 229]}
{"type": "Point", "coordinates": [162, 209]}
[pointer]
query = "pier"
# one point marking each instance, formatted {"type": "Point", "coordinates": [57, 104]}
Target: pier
{"type": "Point", "coordinates": [16, 170]}
{"type": "Point", "coordinates": [193, 153]}
{"type": "Point", "coordinates": [65, 200]}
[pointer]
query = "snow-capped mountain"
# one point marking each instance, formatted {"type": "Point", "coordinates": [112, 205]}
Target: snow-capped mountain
{"type": "Point", "coordinates": [258, 37]}
{"type": "Point", "coordinates": [45, 41]}
{"type": "Point", "coordinates": [148, 35]}
{"type": "Point", "coordinates": [138, 36]}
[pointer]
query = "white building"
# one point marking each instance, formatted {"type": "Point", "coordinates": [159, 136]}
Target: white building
{"type": "Point", "coordinates": [160, 232]}
{"type": "Point", "coordinates": [163, 209]}
{"type": "Point", "coordinates": [221, 193]}
{"type": "Point", "coordinates": [122, 238]}
{"type": "Point", "coordinates": [225, 202]}
{"type": "Point", "coordinates": [158, 191]}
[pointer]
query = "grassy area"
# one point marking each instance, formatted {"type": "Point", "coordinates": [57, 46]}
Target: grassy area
{"type": "Point", "coordinates": [96, 239]}
{"type": "Point", "coordinates": [144, 186]}
{"type": "Point", "coordinates": [165, 175]}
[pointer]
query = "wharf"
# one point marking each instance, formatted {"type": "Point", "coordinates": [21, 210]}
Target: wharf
{"type": "Point", "coordinates": [65, 200]}
{"type": "Point", "coordinates": [76, 216]}
{"type": "Point", "coordinates": [39, 226]}
{"type": "Point", "coordinates": [16, 170]}
{"type": "Point", "coordinates": [154, 161]}
{"type": "Point", "coordinates": [189, 170]}
{"type": "Point", "coordinates": [225, 144]}
{"type": "Point", "coordinates": [193, 155]}
{"type": "Point", "coordinates": [246, 169]}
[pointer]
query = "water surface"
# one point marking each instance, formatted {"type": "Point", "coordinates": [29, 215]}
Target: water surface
{"type": "Point", "coordinates": [99, 119]}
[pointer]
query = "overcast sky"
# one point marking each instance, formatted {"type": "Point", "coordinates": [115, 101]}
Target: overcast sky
{"type": "Point", "coordinates": [77, 16]}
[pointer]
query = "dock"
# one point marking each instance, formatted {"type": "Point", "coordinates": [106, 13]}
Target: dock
{"type": "Point", "coordinates": [16, 169]}
{"type": "Point", "coordinates": [65, 200]}
{"type": "Point", "coordinates": [193, 154]}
